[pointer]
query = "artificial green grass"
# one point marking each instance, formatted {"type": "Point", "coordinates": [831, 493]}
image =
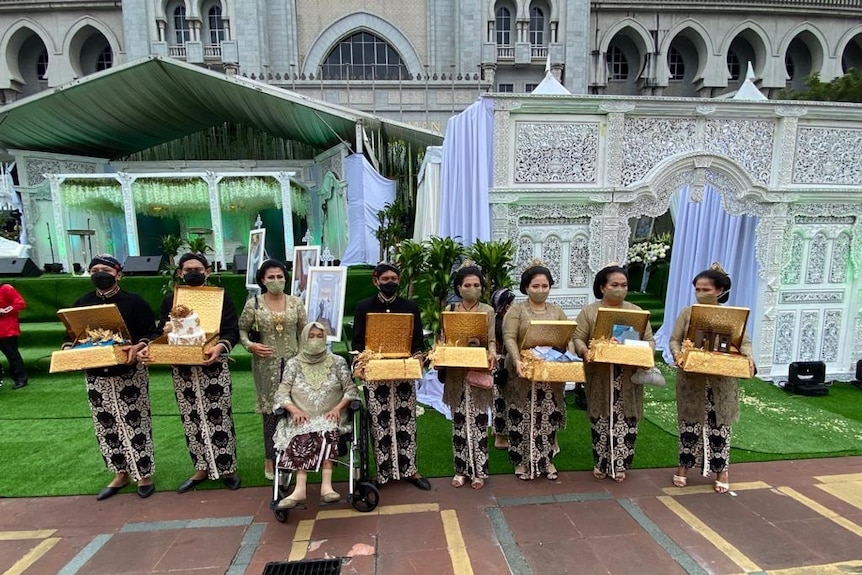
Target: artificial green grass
{"type": "Point", "coordinates": [47, 446]}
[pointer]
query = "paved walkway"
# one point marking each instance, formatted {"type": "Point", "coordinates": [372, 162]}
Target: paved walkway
{"type": "Point", "coordinates": [788, 518]}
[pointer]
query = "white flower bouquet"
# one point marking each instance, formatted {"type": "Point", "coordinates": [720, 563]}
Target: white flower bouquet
{"type": "Point", "coordinates": [651, 251]}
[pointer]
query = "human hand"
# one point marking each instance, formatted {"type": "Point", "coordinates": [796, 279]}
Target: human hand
{"type": "Point", "coordinates": [212, 354]}
{"type": "Point", "coordinates": [132, 351]}
{"type": "Point", "coordinates": [260, 350]}
{"type": "Point", "coordinates": [298, 416]}
{"type": "Point", "coordinates": [492, 361]}
{"type": "Point", "coordinates": [752, 369]}
{"type": "Point", "coordinates": [333, 415]}
{"type": "Point", "coordinates": [519, 367]}
{"type": "Point", "coordinates": [144, 354]}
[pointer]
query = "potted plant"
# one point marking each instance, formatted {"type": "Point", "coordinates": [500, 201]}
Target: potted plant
{"type": "Point", "coordinates": [496, 259]}
{"type": "Point", "coordinates": [198, 245]}
{"type": "Point", "coordinates": [171, 246]}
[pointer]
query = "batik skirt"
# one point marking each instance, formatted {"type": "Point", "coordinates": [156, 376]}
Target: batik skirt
{"type": "Point", "coordinates": [705, 443]}
{"type": "Point", "coordinates": [614, 436]}
{"type": "Point", "coordinates": [533, 428]}
{"type": "Point", "coordinates": [392, 418]}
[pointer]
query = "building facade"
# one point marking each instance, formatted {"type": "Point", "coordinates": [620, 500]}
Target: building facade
{"type": "Point", "coordinates": [421, 61]}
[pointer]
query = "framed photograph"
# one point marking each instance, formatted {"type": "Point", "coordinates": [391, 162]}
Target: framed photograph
{"type": "Point", "coordinates": [324, 298]}
{"type": "Point", "coordinates": [613, 323]}
{"type": "Point", "coordinates": [643, 228]}
{"type": "Point", "coordinates": [256, 256]}
{"type": "Point", "coordinates": [304, 258]}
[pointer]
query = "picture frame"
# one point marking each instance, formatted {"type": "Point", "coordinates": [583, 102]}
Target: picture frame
{"type": "Point", "coordinates": [610, 320]}
{"type": "Point", "coordinates": [643, 228]}
{"type": "Point", "coordinates": [256, 256]}
{"type": "Point", "coordinates": [324, 298]}
{"type": "Point", "coordinates": [304, 258]}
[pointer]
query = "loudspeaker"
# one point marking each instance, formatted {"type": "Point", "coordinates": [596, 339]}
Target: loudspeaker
{"type": "Point", "coordinates": [20, 267]}
{"type": "Point", "coordinates": [859, 371]}
{"type": "Point", "coordinates": [807, 378]}
{"type": "Point", "coordinates": [240, 263]}
{"type": "Point", "coordinates": [142, 265]}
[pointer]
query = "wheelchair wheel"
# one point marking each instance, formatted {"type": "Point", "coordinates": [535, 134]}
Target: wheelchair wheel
{"type": "Point", "coordinates": [365, 497]}
{"type": "Point", "coordinates": [281, 515]}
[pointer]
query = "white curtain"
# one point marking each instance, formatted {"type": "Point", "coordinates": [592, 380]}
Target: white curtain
{"type": "Point", "coordinates": [467, 173]}
{"type": "Point", "coordinates": [367, 193]}
{"type": "Point", "coordinates": [705, 233]}
{"type": "Point", "coordinates": [427, 221]}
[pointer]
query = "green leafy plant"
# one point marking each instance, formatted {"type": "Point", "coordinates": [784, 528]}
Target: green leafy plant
{"type": "Point", "coordinates": [198, 245]}
{"type": "Point", "coordinates": [411, 260]}
{"type": "Point", "coordinates": [171, 246]}
{"type": "Point", "coordinates": [391, 229]}
{"type": "Point", "coordinates": [436, 277]}
{"type": "Point", "coordinates": [496, 258]}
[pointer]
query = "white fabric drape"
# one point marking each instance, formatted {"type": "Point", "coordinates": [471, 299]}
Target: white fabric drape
{"type": "Point", "coordinates": [705, 233]}
{"type": "Point", "coordinates": [367, 193]}
{"type": "Point", "coordinates": [465, 212]}
{"type": "Point", "coordinates": [428, 192]}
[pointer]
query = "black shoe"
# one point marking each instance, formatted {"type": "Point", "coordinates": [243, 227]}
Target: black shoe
{"type": "Point", "coordinates": [233, 482]}
{"type": "Point", "coordinates": [420, 482]}
{"type": "Point", "coordinates": [145, 491]}
{"type": "Point", "coordinates": [109, 492]}
{"type": "Point", "coordinates": [189, 484]}
{"type": "Point", "coordinates": [19, 384]}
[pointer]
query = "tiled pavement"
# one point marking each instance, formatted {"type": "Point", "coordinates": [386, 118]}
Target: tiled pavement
{"type": "Point", "coordinates": [787, 518]}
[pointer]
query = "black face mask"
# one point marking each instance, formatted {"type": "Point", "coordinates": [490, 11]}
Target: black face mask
{"type": "Point", "coordinates": [195, 279]}
{"type": "Point", "coordinates": [103, 280]}
{"type": "Point", "coordinates": [388, 289]}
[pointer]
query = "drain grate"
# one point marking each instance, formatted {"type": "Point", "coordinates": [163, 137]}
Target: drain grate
{"type": "Point", "coordinates": [310, 567]}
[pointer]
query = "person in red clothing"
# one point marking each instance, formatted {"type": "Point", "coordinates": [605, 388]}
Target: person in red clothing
{"type": "Point", "coordinates": [11, 303]}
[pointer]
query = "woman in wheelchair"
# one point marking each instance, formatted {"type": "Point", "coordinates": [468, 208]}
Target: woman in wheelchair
{"type": "Point", "coordinates": [316, 387]}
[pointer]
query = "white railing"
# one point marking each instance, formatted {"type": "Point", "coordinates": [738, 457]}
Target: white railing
{"type": "Point", "coordinates": [505, 53]}
{"type": "Point", "coordinates": [178, 51]}
{"type": "Point", "coordinates": [538, 52]}
{"type": "Point", "coordinates": [212, 51]}
{"type": "Point", "coordinates": [737, 5]}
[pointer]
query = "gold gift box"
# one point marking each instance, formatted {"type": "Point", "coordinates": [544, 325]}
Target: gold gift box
{"type": "Point", "coordinates": [456, 356]}
{"type": "Point", "coordinates": [207, 303]}
{"type": "Point", "coordinates": [553, 333]}
{"type": "Point", "coordinates": [607, 351]}
{"type": "Point", "coordinates": [77, 320]}
{"type": "Point", "coordinates": [393, 369]}
{"type": "Point", "coordinates": [558, 371]}
{"type": "Point", "coordinates": [715, 363]}
{"type": "Point", "coordinates": [389, 334]}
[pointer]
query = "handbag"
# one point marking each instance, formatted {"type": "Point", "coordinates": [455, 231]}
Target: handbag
{"type": "Point", "coordinates": [648, 376]}
{"type": "Point", "coordinates": [254, 333]}
{"type": "Point", "coordinates": [480, 379]}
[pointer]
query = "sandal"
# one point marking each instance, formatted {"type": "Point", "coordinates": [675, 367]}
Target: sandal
{"type": "Point", "coordinates": [288, 503]}
{"type": "Point", "coordinates": [551, 473]}
{"type": "Point", "coordinates": [458, 481]}
{"type": "Point", "coordinates": [522, 474]}
{"type": "Point", "coordinates": [598, 473]}
{"type": "Point", "coordinates": [680, 481]}
{"type": "Point", "coordinates": [477, 483]}
{"type": "Point", "coordinates": [620, 476]}
{"type": "Point", "coordinates": [329, 497]}
{"type": "Point", "coordinates": [721, 486]}
{"type": "Point", "coordinates": [501, 442]}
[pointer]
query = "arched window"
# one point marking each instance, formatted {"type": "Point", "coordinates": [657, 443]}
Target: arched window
{"type": "Point", "coordinates": [216, 26]}
{"type": "Point", "coordinates": [733, 67]}
{"type": "Point", "coordinates": [503, 25]}
{"type": "Point", "coordinates": [42, 65]}
{"type": "Point", "coordinates": [675, 64]}
{"type": "Point", "coordinates": [618, 66]}
{"type": "Point", "coordinates": [789, 66]}
{"type": "Point", "coordinates": [537, 27]}
{"type": "Point", "coordinates": [182, 32]}
{"type": "Point", "coordinates": [364, 56]}
{"type": "Point", "coordinates": [105, 59]}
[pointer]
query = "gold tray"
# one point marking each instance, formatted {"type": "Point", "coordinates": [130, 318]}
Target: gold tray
{"type": "Point", "coordinates": [715, 363]}
{"type": "Point", "coordinates": [389, 334]}
{"type": "Point", "coordinates": [452, 356]}
{"type": "Point", "coordinates": [605, 351]}
{"type": "Point", "coordinates": [558, 371]}
{"type": "Point", "coordinates": [554, 333]}
{"type": "Point", "coordinates": [87, 358]}
{"type": "Point", "coordinates": [461, 327]}
{"type": "Point", "coordinates": [393, 369]}
{"type": "Point", "coordinates": [163, 353]}
{"type": "Point", "coordinates": [719, 319]}
{"type": "Point", "coordinates": [608, 317]}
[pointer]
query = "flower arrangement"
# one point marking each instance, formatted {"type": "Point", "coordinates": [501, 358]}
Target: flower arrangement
{"type": "Point", "coordinates": [651, 251]}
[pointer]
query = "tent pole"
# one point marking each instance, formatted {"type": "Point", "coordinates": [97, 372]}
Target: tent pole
{"type": "Point", "coordinates": [132, 242]}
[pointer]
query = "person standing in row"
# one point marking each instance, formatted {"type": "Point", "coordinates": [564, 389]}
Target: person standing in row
{"type": "Point", "coordinates": [501, 300]}
{"type": "Point", "coordinates": [204, 391]}
{"type": "Point", "coordinates": [119, 395]}
{"type": "Point", "coordinates": [470, 404]}
{"type": "Point", "coordinates": [391, 404]}
{"type": "Point", "coordinates": [614, 403]}
{"type": "Point", "coordinates": [536, 409]}
{"type": "Point", "coordinates": [277, 320]}
{"type": "Point", "coordinates": [707, 405]}
{"type": "Point", "coordinates": [11, 304]}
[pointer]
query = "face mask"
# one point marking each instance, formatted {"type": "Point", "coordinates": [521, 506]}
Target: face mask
{"type": "Point", "coordinates": [103, 280]}
{"type": "Point", "coordinates": [274, 286]}
{"type": "Point", "coordinates": [538, 296]}
{"type": "Point", "coordinates": [706, 298]}
{"type": "Point", "coordinates": [470, 294]}
{"type": "Point", "coordinates": [315, 346]}
{"type": "Point", "coordinates": [195, 279]}
{"type": "Point", "coordinates": [388, 289]}
{"type": "Point", "coordinates": [615, 294]}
